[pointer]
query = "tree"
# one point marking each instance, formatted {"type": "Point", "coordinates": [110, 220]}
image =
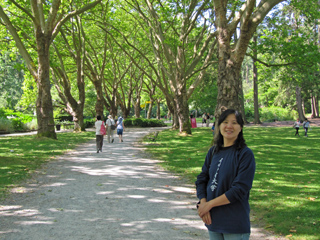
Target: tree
{"type": "Point", "coordinates": [180, 47]}
{"type": "Point", "coordinates": [228, 16]}
{"type": "Point", "coordinates": [37, 24]}
{"type": "Point", "coordinates": [61, 76]}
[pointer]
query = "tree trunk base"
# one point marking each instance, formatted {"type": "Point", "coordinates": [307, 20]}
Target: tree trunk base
{"type": "Point", "coordinates": [48, 134]}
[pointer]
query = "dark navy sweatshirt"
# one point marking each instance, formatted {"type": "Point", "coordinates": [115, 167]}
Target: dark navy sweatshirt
{"type": "Point", "coordinates": [230, 172]}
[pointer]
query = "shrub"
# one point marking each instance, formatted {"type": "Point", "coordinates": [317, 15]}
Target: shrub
{"type": "Point", "coordinates": [89, 122]}
{"type": "Point", "coordinates": [33, 125]}
{"type": "Point", "coordinates": [270, 114]}
{"type": "Point", "coordinates": [142, 122]}
{"type": "Point", "coordinates": [6, 125]}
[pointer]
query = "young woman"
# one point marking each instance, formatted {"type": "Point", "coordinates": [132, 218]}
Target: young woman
{"type": "Point", "coordinates": [99, 136]}
{"type": "Point", "coordinates": [224, 184]}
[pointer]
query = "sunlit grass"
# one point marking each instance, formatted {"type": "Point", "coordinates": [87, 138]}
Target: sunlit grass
{"type": "Point", "coordinates": [21, 155]}
{"type": "Point", "coordinates": [285, 194]}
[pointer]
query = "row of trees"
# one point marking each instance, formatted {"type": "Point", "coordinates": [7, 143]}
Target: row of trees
{"type": "Point", "coordinates": [167, 49]}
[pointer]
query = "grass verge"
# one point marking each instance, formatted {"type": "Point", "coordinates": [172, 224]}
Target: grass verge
{"type": "Point", "coordinates": [21, 155]}
{"type": "Point", "coordinates": [285, 193]}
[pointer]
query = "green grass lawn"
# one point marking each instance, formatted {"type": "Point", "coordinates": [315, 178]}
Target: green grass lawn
{"type": "Point", "coordinates": [21, 155]}
{"type": "Point", "coordinates": [285, 193]}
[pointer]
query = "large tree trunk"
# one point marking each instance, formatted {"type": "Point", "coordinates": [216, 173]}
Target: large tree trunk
{"type": "Point", "coordinates": [314, 107]}
{"type": "Point", "coordinates": [44, 106]}
{"type": "Point", "coordinates": [78, 121]}
{"type": "Point", "coordinates": [229, 88]}
{"type": "Point", "coordinates": [158, 110]}
{"type": "Point", "coordinates": [149, 112]}
{"type": "Point", "coordinates": [181, 102]}
{"type": "Point", "coordinates": [137, 108]}
{"type": "Point", "coordinates": [255, 84]}
{"type": "Point", "coordinates": [100, 101]}
{"type": "Point", "coordinates": [299, 103]}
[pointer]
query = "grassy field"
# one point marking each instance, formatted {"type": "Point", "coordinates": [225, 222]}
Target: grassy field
{"type": "Point", "coordinates": [21, 155]}
{"type": "Point", "coordinates": [285, 194]}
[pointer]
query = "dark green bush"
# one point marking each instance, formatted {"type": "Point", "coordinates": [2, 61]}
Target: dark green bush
{"type": "Point", "coordinates": [89, 122]}
{"type": "Point", "coordinates": [18, 125]}
{"type": "Point", "coordinates": [142, 122]}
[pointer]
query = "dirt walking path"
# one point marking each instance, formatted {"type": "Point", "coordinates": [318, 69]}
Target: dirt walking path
{"type": "Point", "coordinates": [117, 194]}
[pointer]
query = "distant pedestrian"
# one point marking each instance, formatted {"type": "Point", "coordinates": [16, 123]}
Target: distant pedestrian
{"type": "Point", "coordinates": [306, 125]}
{"type": "Point", "coordinates": [207, 119]}
{"type": "Point", "coordinates": [204, 118]}
{"type": "Point", "coordinates": [120, 128]}
{"type": "Point", "coordinates": [193, 121]}
{"type": "Point", "coordinates": [213, 127]}
{"type": "Point", "coordinates": [110, 124]}
{"type": "Point", "coordinates": [296, 125]}
{"type": "Point", "coordinates": [99, 136]}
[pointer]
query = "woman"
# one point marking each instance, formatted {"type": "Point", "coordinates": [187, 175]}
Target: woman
{"type": "Point", "coordinates": [224, 184]}
{"type": "Point", "coordinates": [99, 136]}
{"type": "Point", "coordinates": [120, 128]}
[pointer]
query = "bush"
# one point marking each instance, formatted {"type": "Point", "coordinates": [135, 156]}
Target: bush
{"type": "Point", "coordinates": [33, 125]}
{"type": "Point", "coordinates": [271, 114]}
{"type": "Point", "coordinates": [89, 122]}
{"type": "Point", "coordinates": [18, 121]}
{"type": "Point", "coordinates": [142, 122]}
{"type": "Point", "coordinates": [6, 125]}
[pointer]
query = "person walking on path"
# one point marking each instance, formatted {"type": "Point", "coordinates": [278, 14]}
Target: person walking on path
{"type": "Point", "coordinates": [109, 123]}
{"type": "Point", "coordinates": [204, 118]}
{"type": "Point", "coordinates": [207, 119]}
{"type": "Point", "coordinates": [306, 125]}
{"type": "Point", "coordinates": [296, 125]}
{"type": "Point", "coordinates": [120, 128]}
{"type": "Point", "coordinates": [99, 136]}
{"type": "Point", "coordinates": [224, 184]}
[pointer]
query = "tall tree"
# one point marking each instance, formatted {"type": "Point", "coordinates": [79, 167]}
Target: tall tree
{"type": "Point", "coordinates": [63, 76]}
{"type": "Point", "coordinates": [37, 23]}
{"type": "Point", "coordinates": [180, 47]}
{"type": "Point", "coordinates": [228, 17]}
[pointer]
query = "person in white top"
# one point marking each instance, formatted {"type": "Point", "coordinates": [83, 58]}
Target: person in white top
{"type": "Point", "coordinates": [99, 136]}
{"type": "Point", "coordinates": [110, 131]}
{"type": "Point", "coordinates": [296, 125]}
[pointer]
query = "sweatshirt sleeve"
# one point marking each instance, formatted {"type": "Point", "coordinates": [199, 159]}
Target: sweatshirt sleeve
{"type": "Point", "coordinates": [203, 178]}
{"type": "Point", "coordinates": [242, 183]}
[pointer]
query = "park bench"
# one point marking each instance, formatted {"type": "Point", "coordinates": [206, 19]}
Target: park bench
{"type": "Point", "coordinates": [154, 137]}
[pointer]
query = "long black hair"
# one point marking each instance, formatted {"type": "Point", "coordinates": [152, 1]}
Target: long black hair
{"type": "Point", "coordinates": [240, 142]}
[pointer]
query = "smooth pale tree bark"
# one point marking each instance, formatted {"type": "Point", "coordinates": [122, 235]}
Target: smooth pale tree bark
{"type": "Point", "coordinates": [45, 27]}
{"type": "Point", "coordinates": [314, 107]}
{"type": "Point", "coordinates": [231, 55]}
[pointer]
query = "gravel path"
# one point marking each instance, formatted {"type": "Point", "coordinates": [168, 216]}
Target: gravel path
{"type": "Point", "coordinates": [117, 194]}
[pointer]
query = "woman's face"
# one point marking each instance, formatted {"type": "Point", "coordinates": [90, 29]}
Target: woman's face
{"type": "Point", "coordinates": [230, 130]}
